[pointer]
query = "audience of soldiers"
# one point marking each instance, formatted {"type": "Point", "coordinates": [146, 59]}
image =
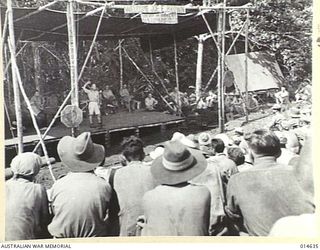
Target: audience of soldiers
{"type": "Point", "coordinates": [242, 183]}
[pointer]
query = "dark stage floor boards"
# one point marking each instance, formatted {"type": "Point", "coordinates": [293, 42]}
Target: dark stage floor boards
{"type": "Point", "coordinates": [112, 123]}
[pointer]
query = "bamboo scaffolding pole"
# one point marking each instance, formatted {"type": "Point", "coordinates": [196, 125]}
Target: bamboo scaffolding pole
{"type": "Point", "coordinates": [7, 75]}
{"type": "Point", "coordinates": [153, 68]}
{"type": "Point", "coordinates": [219, 75]}
{"type": "Point", "coordinates": [9, 61]}
{"type": "Point", "coordinates": [246, 66]}
{"type": "Point", "coordinates": [17, 103]}
{"type": "Point", "coordinates": [91, 46]}
{"type": "Point", "coordinates": [5, 28]}
{"type": "Point", "coordinates": [236, 38]}
{"type": "Point", "coordinates": [73, 58]}
{"type": "Point", "coordinates": [72, 44]}
{"type": "Point", "coordinates": [78, 80]}
{"type": "Point", "coordinates": [211, 78]}
{"type": "Point", "coordinates": [187, 7]}
{"type": "Point", "coordinates": [120, 63]}
{"type": "Point", "coordinates": [176, 67]}
{"type": "Point", "coordinates": [147, 79]}
{"type": "Point", "coordinates": [223, 37]}
{"type": "Point", "coordinates": [211, 33]}
{"type": "Point", "coordinates": [9, 121]}
{"type": "Point", "coordinates": [33, 117]}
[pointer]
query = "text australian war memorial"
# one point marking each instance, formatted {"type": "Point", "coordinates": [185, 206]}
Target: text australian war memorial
{"type": "Point", "coordinates": [157, 118]}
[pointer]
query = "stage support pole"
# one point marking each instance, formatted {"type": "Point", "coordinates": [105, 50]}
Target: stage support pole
{"type": "Point", "coordinates": [246, 66]}
{"type": "Point", "coordinates": [199, 66]}
{"type": "Point", "coordinates": [223, 30]}
{"type": "Point", "coordinates": [72, 57]}
{"type": "Point", "coordinates": [177, 73]}
{"type": "Point", "coordinates": [17, 103]}
{"type": "Point", "coordinates": [220, 96]}
{"type": "Point", "coordinates": [120, 63]}
{"type": "Point", "coordinates": [7, 75]}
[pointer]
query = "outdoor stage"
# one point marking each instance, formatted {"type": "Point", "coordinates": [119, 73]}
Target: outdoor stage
{"type": "Point", "coordinates": [115, 127]}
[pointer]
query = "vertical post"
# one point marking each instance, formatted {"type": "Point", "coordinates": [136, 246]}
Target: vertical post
{"type": "Point", "coordinates": [17, 104]}
{"type": "Point", "coordinates": [37, 70]}
{"type": "Point", "coordinates": [220, 76]}
{"type": "Point", "coordinates": [7, 75]}
{"type": "Point", "coordinates": [121, 64]}
{"type": "Point", "coordinates": [72, 53]}
{"type": "Point", "coordinates": [246, 66]}
{"type": "Point", "coordinates": [177, 73]}
{"type": "Point", "coordinates": [199, 66]}
{"type": "Point", "coordinates": [151, 56]}
{"type": "Point", "coordinates": [72, 57]}
{"type": "Point", "coordinates": [223, 29]}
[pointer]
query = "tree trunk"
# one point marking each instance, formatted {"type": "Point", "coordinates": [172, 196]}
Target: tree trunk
{"type": "Point", "coordinates": [37, 67]}
{"type": "Point", "coordinates": [199, 67]}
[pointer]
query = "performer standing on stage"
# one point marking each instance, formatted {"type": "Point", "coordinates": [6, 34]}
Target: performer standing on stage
{"type": "Point", "coordinates": [93, 96]}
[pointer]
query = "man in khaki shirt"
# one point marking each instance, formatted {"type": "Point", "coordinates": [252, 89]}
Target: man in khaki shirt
{"type": "Point", "coordinates": [176, 207]}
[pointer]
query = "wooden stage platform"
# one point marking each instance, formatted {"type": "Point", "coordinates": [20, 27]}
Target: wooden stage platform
{"type": "Point", "coordinates": [115, 127]}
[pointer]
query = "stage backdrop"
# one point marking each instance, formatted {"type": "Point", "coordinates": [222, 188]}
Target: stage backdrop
{"type": "Point", "coordinates": [263, 71]}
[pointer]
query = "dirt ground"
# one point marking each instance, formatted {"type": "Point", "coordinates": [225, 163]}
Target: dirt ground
{"type": "Point", "coordinates": [256, 120]}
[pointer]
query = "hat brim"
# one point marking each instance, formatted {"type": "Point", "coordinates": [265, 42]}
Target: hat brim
{"type": "Point", "coordinates": [72, 162]}
{"type": "Point", "coordinates": [165, 176]}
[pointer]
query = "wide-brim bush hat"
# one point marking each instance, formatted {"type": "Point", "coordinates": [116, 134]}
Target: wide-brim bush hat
{"type": "Point", "coordinates": [80, 154]}
{"type": "Point", "coordinates": [178, 164]}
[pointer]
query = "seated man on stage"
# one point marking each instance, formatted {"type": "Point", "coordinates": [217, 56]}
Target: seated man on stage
{"type": "Point", "coordinates": [282, 98]}
{"type": "Point", "coordinates": [238, 105]}
{"type": "Point", "coordinates": [37, 104]}
{"type": "Point", "coordinates": [212, 100]}
{"type": "Point", "coordinates": [150, 102]}
{"type": "Point", "coordinates": [109, 100]}
{"type": "Point", "coordinates": [125, 97]}
{"type": "Point", "coordinates": [93, 96]}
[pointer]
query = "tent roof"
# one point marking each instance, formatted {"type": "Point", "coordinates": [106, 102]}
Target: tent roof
{"type": "Point", "coordinates": [49, 25]}
{"type": "Point", "coordinates": [263, 71]}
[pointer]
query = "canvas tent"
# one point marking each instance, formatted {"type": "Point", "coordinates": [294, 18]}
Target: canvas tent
{"type": "Point", "coordinates": [263, 71]}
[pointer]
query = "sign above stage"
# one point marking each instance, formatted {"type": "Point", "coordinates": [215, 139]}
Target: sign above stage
{"type": "Point", "coordinates": [71, 116]}
{"type": "Point", "coordinates": [164, 18]}
{"type": "Point", "coordinates": [147, 8]}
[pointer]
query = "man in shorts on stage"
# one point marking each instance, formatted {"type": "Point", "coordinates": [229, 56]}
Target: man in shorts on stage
{"type": "Point", "coordinates": [93, 96]}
